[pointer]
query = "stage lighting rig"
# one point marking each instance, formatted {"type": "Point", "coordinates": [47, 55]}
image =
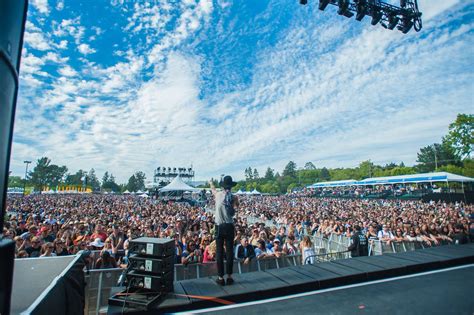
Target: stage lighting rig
{"type": "Point", "coordinates": [403, 17]}
{"type": "Point", "coordinates": [361, 9]}
{"type": "Point", "coordinates": [392, 21]}
{"type": "Point", "coordinates": [344, 8]}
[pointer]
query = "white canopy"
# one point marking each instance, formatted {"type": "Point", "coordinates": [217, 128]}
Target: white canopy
{"type": "Point", "coordinates": [401, 179]}
{"type": "Point", "coordinates": [139, 192]}
{"type": "Point", "coordinates": [144, 195]}
{"type": "Point", "coordinates": [177, 184]}
{"type": "Point", "coordinates": [240, 192]}
{"type": "Point", "coordinates": [255, 192]}
{"type": "Point", "coordinates": [126, 192]}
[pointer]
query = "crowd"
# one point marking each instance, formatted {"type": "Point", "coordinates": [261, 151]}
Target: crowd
{"type": "Point", "coordinates": [55, 225]}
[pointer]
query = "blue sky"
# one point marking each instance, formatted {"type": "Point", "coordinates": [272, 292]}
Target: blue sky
{"type": "Point", "coordinates": [125, 85]}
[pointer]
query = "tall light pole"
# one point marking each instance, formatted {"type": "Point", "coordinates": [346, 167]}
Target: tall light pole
{"type": "Point", "coordinates": [26, 174]}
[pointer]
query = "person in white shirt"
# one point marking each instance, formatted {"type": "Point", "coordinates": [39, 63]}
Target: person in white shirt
{"type": "Point", "coordinates": [385, 235]}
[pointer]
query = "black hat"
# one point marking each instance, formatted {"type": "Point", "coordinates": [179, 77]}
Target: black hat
{"type": "Point", "coordinates": [227, 182]}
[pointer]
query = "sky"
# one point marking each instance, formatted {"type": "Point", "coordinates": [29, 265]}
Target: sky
{"type": "Point", "coordinates": [125, 86]}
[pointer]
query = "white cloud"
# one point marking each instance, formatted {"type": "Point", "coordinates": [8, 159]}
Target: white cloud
{"type": "Point", "coordinates": [431, 9]}
{"type": "Point", "coordinates": [41, 6]}
{"type": "Point", "coordinates": [60, 5]}
{"type": "Point", "coordinates": [36, 40]}
{"type": "Point", "coordinates": [85, 49]}
{"type": "Point", "coordinates": [67, 71]}
{"type": "Point", "coordinates": [62, 44]}
{"type": "Point", "coordinates": [55, 58]}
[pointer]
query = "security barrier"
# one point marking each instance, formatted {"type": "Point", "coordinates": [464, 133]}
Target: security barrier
{"type": "Point", "coordinates": [99, 284]}
{"type": "Point", "coordinates": [327, 247]}
{"type": "Point", "coordinates": [101, 281]}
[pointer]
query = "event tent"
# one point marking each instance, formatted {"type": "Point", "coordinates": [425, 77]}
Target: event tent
{"type": "Point", "coordinates": [177, 184]}
{"type": "Point", "coordinates": [255, 192]}
{"type": "Point", "coordinates": [337, 183]}
{"type": "Point", "coordinates": [401, 179]}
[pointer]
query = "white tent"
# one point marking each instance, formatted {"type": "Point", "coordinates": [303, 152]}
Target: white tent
{"type": "Point", "coordinates": [401, 179]}
{"type": "Point", "coordinates": [240, 192]}
{"type": "Point", "coordinates": [139, 192]}
{"type": "Point", "coordinates": [255, 192]}
{"type": "Point", "coordinates": [144, 195]}
{"type": "Point", "coordinates": [177, 184]}
{"type": "Point", "coordinates": [126, 192]}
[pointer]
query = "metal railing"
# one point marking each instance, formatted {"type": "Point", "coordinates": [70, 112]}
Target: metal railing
{"type": "Point", "coordinates": [319, 258]}
{"type": "Point", "coordinates": [99, 284]}
{"type": "Point", "coordinates": [327, 248]}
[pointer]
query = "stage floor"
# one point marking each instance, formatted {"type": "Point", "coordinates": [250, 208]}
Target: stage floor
{"type": "Point", "coordinates": [445, 291]}
{"type": "Point", "coordinates": [334, 279]}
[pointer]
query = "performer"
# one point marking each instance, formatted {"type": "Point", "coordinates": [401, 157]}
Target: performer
{"type": "Point", "coordinates": [226, 204]}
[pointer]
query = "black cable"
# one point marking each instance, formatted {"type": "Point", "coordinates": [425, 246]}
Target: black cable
{"type": "Point", "coordinates": [126, 294]}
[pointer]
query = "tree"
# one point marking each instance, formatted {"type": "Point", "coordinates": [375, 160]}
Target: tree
{"type": "Point", "coordinates": [436, 155]}
{"type": "Point", "coordinates": [255, 174]}
{"type": "Point", "coordinates": [248, 173]}
{"type": "Point", "coordinates": [75, 179]}
{"type": "Point", "coordinates": [468, 165]}
{"type": "Point", "coordinates": [140, 180]}
{"type": "Point", "coordinates": [290, 170]}
{"type": "Point", "coordinates": [309, 166]}
{"type": "Point", "coordinates": [136, 182]}
{"type": "Point", "coordinates": [390, 166]}
{"type": "Point", "coordinates": [39, 175]}
{"type": "Point", "coordinates": [105, 178]}
{"type": "Point", "coordinates": [56, 175]}
{"type": "Point", "coordinates": [15, 181]}
{"type": "Point", "coordinates": [325, 176]}
{"type": "Point", "coordinates": [132, 184]}
{"type": "Point", "coordinates": [461, 136]}
{"type": "Point", "coordinates": [109, 183]}
{"type": "Point", "coordinates": [92, 180]}
{"type": "Point", "coordinates": [47, 174]}
{"type": "Point", "coordinates": [269, 174]}
{"type": "Point", "coordinates": [366, 169]}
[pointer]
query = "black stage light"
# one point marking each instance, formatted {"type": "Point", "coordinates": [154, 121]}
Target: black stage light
{"type": "Point", "coordinates": [303, 2]}
{"type": "Point", "coordinates": [392, 21]}
{"type": "Point", "coordinates": [376, 16]}
{"type": "Point", "coordinates": [323, 4]}
{"type": "Point", "coordinates": [361, 10]}
{"type": "Point", "coordinates": [407, 24]}
{"type": "Point", "coordinates": [344, 8]}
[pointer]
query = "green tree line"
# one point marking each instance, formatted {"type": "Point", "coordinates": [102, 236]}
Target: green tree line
{"type": "Point", "coordinates": [47, 174]}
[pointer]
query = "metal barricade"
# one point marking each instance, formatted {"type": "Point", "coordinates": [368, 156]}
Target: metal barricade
{"type": "Point", "coordinates": [207, 269]}
{"type": "Point", "coordinates": [99, 283]}
{"type": "Point", "coordinates": [375, 248]}
{"type": "Point", "coordinates": [386, 247]}
{"type": "Point", "coordinates": [267, 263]}
{"type": "Point", "coordinates": [399, 247]}
{"type": "Point", "coordinates": [251, 266]}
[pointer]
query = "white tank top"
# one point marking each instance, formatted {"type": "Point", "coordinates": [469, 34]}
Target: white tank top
{"type": "Point", "coordinates": [307, 252]}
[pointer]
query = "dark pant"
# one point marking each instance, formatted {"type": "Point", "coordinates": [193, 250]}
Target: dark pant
{"type": "Point", "coordinates": [225, 233]}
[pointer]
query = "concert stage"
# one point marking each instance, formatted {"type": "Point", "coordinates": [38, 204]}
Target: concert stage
{"type": "Point", "coordinates": [193, 295]}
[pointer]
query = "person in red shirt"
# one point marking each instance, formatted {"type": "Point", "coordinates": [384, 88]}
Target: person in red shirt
{"type": "Point", "coordinates": [99, 233]}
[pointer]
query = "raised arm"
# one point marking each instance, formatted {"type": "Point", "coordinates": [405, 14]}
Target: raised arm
{"type": "Point", "coordinates": [213, 188]}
